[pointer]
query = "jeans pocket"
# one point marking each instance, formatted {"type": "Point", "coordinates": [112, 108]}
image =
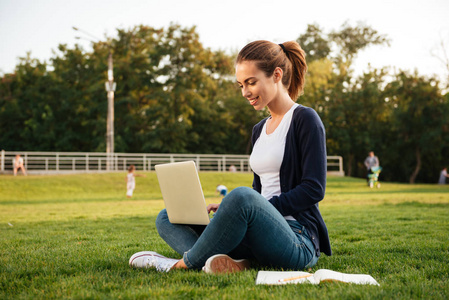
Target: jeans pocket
{"type": "Point", "coordinates": [307, 247]}
{"type": "Point", "coordinates": [312, 262]}
{"type": "Point", "coordinates": [308, 244]}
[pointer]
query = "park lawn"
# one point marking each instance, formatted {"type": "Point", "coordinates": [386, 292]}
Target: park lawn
{"type": "Point", "coordinates": [70, 236]}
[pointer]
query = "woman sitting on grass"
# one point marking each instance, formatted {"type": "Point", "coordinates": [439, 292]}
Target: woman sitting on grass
{"type": "Point", "coordinates": [277, 223]}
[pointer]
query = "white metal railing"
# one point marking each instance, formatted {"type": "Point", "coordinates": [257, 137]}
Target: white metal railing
{"type": "Point", "coordinates": [335, 165]}
{"type": "Point", "coordinates": [69, 162]}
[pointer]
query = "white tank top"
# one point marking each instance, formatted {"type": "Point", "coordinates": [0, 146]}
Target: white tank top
{"type": "Point", "coordinates": [267, 155]}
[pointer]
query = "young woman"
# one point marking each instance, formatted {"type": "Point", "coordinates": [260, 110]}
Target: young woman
{"type": "Point", "coordinates": [277, 223]}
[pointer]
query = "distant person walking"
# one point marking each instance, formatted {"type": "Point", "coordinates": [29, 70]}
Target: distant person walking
{"type": "Point", "coordinates": [18, 164]}
{"type": "Point", "coordinates": [370, 161]}
{"type": "Point", "coordinates": [443, 176]}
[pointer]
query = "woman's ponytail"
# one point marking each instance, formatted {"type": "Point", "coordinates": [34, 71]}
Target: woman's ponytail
{"type": "Point", "coordinates": [297, 59]}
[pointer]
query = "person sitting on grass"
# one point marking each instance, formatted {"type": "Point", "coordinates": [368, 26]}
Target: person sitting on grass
{"type": "Point", "coordinates": [18, 164]}
{"type": "Point", "coordinates": [278, 222]}
{"type": "Point", "coordinates": [221, 190]}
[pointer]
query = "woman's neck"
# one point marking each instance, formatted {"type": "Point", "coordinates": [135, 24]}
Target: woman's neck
{"type": "Point", "coordinates": [278, 108]}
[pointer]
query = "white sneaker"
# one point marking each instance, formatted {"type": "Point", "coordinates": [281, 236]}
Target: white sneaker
{"type": "Point", "coordinates": [222, 263]}
{"type": "Point", "coordinates": [150, 259]}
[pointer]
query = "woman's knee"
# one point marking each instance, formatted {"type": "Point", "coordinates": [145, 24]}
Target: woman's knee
{"type": "Point", "coordinates": [162, 219]}
{"type": "Point", "coordinates": [242, 196]}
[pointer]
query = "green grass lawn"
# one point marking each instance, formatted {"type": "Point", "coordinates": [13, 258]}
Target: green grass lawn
{"type": "Point", "coordinates": [70, 236]}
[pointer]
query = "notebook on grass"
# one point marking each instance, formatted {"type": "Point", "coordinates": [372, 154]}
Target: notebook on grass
{"type": "Point", "coordinates": [183, 196]}
{"type": "Point", "coordinates": [322, 275]}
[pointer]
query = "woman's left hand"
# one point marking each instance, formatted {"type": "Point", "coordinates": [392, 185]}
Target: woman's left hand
{"type": "Point", "coordinates": [212, 207]}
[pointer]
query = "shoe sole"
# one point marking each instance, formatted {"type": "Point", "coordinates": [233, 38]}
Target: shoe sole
{"type": "Point", "coordinates": [222, 263]}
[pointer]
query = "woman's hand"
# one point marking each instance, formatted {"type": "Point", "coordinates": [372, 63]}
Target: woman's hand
{"type": "Point", "coordinates": [212, 207]}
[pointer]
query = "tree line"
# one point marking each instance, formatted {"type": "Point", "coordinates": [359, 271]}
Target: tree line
{"type": "Point", "coordinates": [174, 95]}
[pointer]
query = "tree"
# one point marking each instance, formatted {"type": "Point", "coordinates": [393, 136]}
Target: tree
{"type": "Point", "coordinates": [314, 43]}
{"type": "Point", "coordinates": [25, 107]}
{"type": "Point", "coordinates": [419, 123]}
{"type": "Point", "coordinates": [350, 40]}
{"type": "Point", "coordinates": [441, 52]}
{"type": "Point", "coordinates": [174, 95]}
{"type": "Point", "coordinates": [171, 94]}
{"type": "Point", "coordinates": [335, 94]}
{"type": "Point", "coordinates": [170, 90]}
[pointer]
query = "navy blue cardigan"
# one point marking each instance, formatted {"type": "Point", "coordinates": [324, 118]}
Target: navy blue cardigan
{"type": "Point", "coordinates": [302, 175]}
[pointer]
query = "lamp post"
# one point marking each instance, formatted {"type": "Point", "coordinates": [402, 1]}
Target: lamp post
{"type": "Point", "coordinates": [110, 89]}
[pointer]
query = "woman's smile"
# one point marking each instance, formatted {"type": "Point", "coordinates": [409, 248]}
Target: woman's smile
{"type": "Point", "coordinates": [253, 101]}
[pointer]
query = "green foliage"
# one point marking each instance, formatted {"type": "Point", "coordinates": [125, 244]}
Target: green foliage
{"type": "Point", "coordinates": [171, 94]}
{"type": "Point", "coordinates": [71, 237]}
{"type": "Point", "coordinates": [418, 120]}
{"type": "Point", "coordinates": [314, 43]}
{"type": "Point", "coordinates": [401, 117]}
{"type": "Point", "coordinates": [174, 95]}
{"type": "Point", "coordinates": [352, 39]}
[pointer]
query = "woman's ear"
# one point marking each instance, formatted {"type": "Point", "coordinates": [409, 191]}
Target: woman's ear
{"type": "Point", "coordinates": [277, 74]}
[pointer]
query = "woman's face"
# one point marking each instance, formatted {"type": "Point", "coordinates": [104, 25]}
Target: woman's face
{"type": "Point", "coordinates": [256, 87]}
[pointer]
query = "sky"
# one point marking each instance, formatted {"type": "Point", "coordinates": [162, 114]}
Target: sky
{"type": "Point", "coordinates": [415, 28]}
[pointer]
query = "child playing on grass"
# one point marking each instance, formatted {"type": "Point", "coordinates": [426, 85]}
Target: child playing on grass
{"type": "Point", "coordinates": [278, 222]}
{"type": "Point", "coordinates": [222, 190]}
{"type": "Point", "coordinates": [131, 181]}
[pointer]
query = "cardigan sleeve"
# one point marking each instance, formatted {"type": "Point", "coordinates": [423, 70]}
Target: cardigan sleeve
{"type": "Point", "coordinates": [303, 170]}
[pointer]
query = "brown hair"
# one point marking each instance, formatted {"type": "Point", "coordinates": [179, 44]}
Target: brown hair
{"type": "Point", "coordinates": [131, 168]}
{"type": "Point", "coordinates": [268, 56]}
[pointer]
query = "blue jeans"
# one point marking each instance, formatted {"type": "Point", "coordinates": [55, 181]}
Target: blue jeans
{"type": "Point", "coordinates": [247, 226]}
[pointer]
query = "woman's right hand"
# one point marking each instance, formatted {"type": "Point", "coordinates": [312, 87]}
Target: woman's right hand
{"type": "Point", "coordinates": [212, 207]}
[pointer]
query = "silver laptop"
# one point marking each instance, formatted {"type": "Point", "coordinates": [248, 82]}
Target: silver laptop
{"type": "Point", "coordinates": [183, 196]}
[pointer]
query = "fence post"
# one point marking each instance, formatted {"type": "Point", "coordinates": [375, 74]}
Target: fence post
{"type": "Point", "coordinates": [2, 164]}
{"type": "Point", "coordinates": [57, 161]}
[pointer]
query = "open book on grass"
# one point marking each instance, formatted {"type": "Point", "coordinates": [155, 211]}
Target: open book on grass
{"type": "Point", "coordinates": [322, 275]}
